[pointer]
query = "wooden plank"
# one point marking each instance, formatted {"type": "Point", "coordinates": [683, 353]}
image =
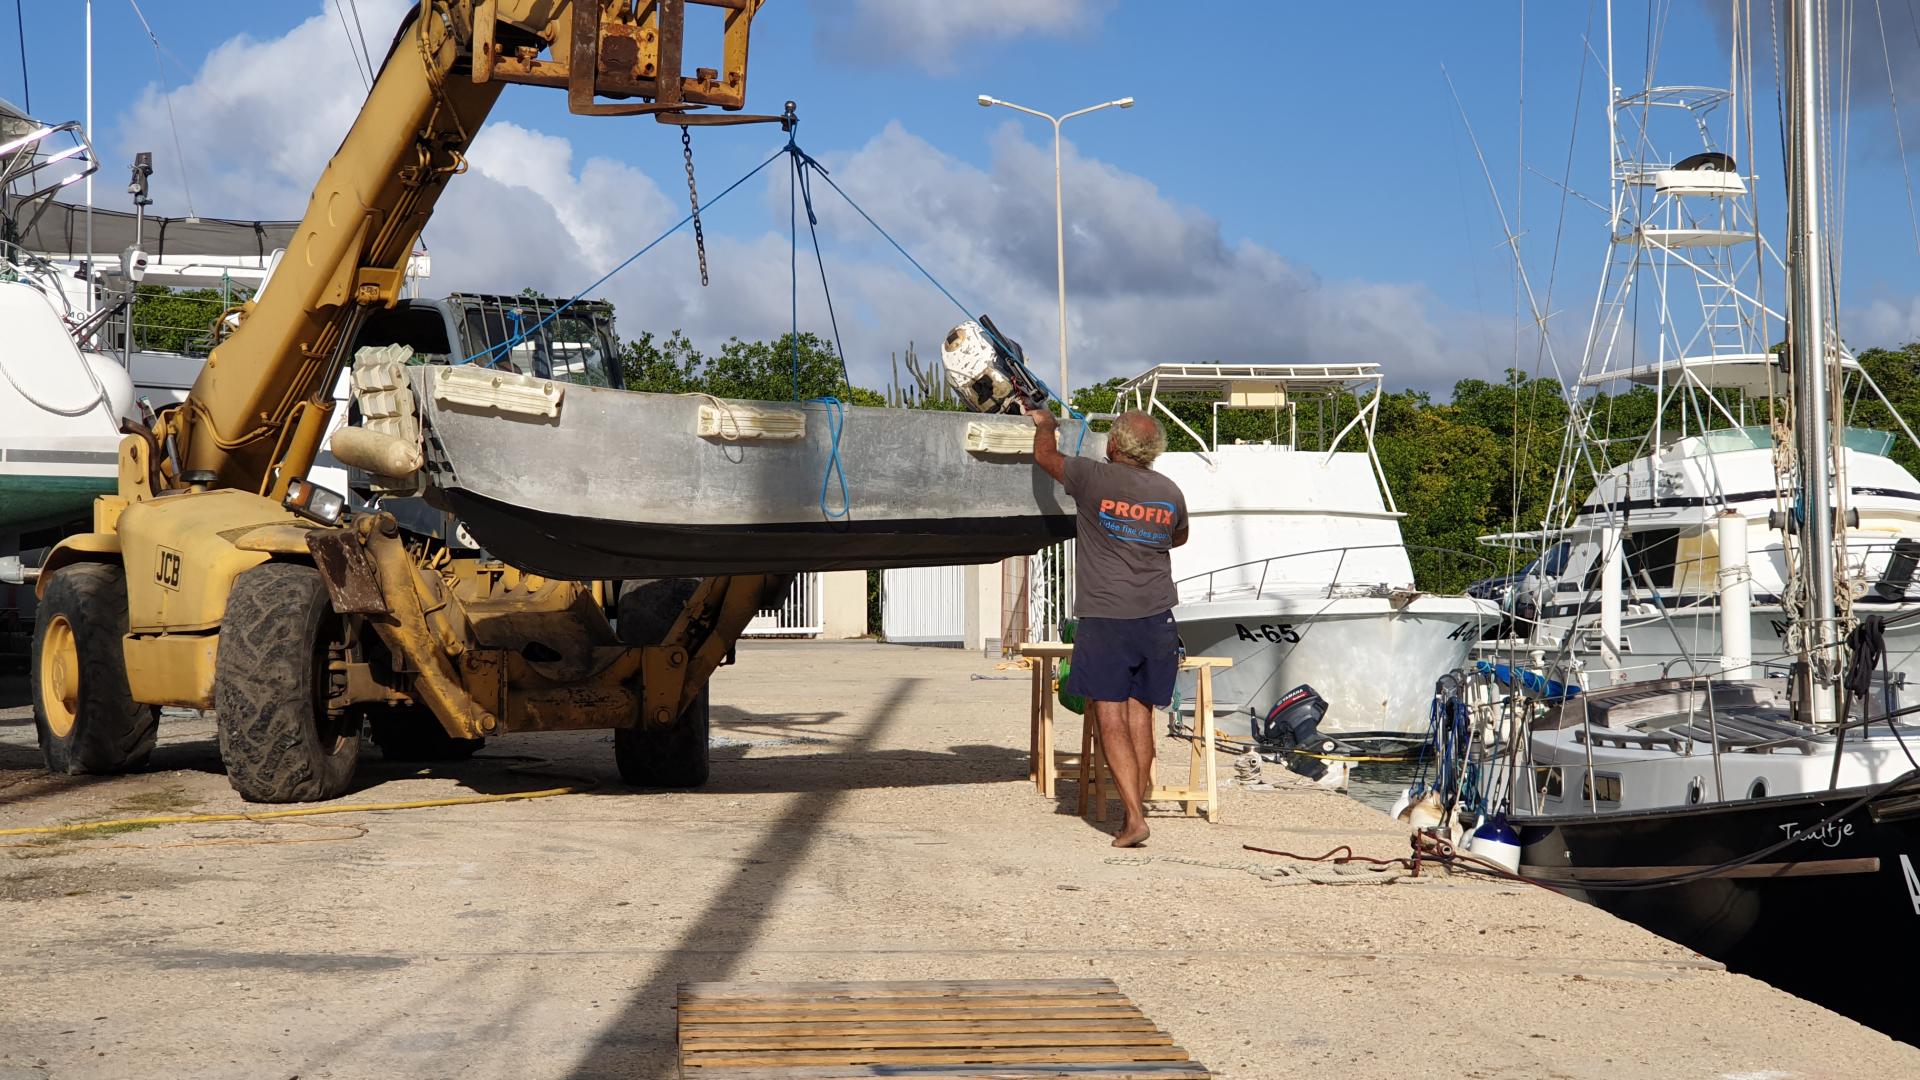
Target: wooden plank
{"type": "Point", "coordinates": [1012, 1071]}
{"type": "Point", "coordinates": [742, 1013]}
{"type": "Point", "coordinates": [1023, 987]}
{"type": "Point", "coordinates": [961, 1042]}
{"type": "Point", "coordinates": [703, 1058]}
{"type": "Point", "coordinates": [693, 1030]}
{"type": "Point", "coordinates": [926, 1002]}
{"type": "Point", "coordinates": [939, 1030]}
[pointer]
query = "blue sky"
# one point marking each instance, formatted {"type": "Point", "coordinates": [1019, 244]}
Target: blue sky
{"type": "Point", "coordinates": [1294, 184]}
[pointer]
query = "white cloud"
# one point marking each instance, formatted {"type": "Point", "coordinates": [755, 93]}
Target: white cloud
{"type": "Point", "coordinates": [940, 35]}
{"type": "Point", "coordinates": [1149, 280]}
{"type": "Point", "coordinates": [261, 118]}
{"type": "Point", "coordinates": [1884, 323]}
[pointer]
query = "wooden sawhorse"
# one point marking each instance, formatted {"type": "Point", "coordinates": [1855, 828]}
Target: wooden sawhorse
{"type": "Point", "coordinates": [1046, 766]}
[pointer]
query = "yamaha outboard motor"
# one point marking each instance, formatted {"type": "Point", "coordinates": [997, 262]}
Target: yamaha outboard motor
{"type": "Point", "coordinates": [988, 370]}
{"type": "Point", "coordinates": [1294, 724]}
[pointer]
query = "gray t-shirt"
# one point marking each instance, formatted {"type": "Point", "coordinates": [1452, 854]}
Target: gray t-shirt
{"type": "Point", "coordinates": [1127, 521]}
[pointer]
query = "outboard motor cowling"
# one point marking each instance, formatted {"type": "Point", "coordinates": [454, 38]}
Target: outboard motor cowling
{"type": "Point", "coordinates": [988, 370]}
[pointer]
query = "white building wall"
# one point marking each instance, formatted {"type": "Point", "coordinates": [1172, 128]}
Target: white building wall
{"type": "Point", "coordinates": [843, 605]}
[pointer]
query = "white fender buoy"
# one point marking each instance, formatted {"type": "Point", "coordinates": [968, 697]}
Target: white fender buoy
{"type": "Point", "coordinates": [1496, 842]}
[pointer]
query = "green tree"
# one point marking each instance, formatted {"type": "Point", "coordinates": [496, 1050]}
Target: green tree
{"type": "Point", "coordinates": [672, 366]}
{"type": "Point", "coordinates": [178, 320]}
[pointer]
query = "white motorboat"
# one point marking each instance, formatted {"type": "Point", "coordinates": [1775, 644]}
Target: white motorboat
{"type": "Point", "coordinates": [1294, 564]}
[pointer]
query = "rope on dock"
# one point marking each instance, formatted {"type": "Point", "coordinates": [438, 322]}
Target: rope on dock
{"type": "Point", "coordinates": [1304, 873]}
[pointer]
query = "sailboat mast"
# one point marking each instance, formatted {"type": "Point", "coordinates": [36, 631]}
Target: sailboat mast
{"type": "Point", "coordinates": [1808, 341]}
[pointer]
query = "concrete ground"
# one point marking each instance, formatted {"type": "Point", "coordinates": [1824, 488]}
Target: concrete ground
{"type": "Point", "coordinates": [869, 819]}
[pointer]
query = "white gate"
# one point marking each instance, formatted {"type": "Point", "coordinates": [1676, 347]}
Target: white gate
{"type": "Point", "coordinates": [798, 617]}
{"type": "Point", "coordinates": [924, 604]}
{"type": "Point", "coordinates": [1049, 591]}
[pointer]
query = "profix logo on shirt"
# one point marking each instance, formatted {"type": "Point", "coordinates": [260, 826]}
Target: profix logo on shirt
{"type": "Point", "coordinates": [1138, 523]}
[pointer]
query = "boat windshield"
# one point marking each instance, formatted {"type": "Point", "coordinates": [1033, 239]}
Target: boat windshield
{"type": "Point", "coordinates": [1757, 437]}
{"type": "Point", "coordinates": [525, 335]}
{"type": "Point", "coordinates": [1553, 563]}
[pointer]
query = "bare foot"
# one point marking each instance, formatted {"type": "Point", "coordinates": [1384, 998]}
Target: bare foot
{"type": "Point", "coordinates": [1133, 837]}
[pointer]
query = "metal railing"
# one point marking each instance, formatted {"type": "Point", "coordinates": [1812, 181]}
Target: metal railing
{"type": "Point", "coordinates": [1050, 591]}
{"type": "Point", "coordinates": [798, 616]}
{"type": "Point", "coordinates": [1332, 586]}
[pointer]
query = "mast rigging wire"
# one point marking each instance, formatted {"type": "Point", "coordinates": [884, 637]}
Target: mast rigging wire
{"type": "Point", "coordinates": [365, 53]}
{"type": "Point", "coordinates": [359, 65]}
{"type": "Point", "coordinates": [26, 84]}
{"type": "Point", "coordinates": [1893, 103]}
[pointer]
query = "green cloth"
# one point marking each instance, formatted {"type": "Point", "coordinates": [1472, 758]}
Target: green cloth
{"type": "Point", "coordinates": [1073, 703]}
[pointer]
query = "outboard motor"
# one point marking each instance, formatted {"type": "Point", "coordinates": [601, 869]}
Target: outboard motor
{"type": "Point", "coordinates": [1293, 723]}
{"type": "Point", "coordinates": [988, 370]}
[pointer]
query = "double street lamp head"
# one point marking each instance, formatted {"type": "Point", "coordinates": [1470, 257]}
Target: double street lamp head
{"type": "Point", "coordinates": [1059, 209]}
{"type": "Point", "coordinates": [987, 101]}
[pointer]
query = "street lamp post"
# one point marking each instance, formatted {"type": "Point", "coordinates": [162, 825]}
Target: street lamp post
{"type": "Point", "coordinates": [1059, 213]}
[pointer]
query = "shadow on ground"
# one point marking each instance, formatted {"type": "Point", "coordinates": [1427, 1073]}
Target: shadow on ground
{"type": "Point", "coordinates": [640, 1040]}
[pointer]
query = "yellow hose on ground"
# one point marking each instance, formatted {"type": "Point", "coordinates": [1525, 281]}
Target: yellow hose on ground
{"type": "Point", "coordinates": [305, 811]}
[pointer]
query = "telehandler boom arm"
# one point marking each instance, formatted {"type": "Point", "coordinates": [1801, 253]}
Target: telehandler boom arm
{"type": "Point", "coordinates": [259, 408]}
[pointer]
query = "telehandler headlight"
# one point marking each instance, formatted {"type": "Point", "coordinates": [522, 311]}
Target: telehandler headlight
{"type": "Point", "coordinates": [313, 502]}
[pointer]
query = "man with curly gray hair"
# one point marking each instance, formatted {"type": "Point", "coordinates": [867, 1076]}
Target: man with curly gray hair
{"type": "Point", "coordinates": [1125, 646]}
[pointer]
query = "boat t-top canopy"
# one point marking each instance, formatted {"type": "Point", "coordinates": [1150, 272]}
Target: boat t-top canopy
{"type": "Point", "coordinates": [1279, 388]}
{"type": "Point", "coordinates": [1227, 382]}
{"type": "Point", "coordinates": [1756, 374]}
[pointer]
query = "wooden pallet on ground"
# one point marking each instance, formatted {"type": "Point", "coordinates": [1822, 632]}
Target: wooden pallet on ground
{"type": "Point", "coordinates": [969, 1030]}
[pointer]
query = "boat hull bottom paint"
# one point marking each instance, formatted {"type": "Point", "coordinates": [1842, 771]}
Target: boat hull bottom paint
{"type": "Point", "coordinates": [1374, 663]}
{"type": "Point", "coordinates": [1768, 925]}
{"type": "Point", "coordinates": [563, 546]}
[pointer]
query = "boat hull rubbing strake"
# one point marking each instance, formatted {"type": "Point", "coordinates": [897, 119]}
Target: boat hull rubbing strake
{"type": "Point", "coordinates": [585, 482]}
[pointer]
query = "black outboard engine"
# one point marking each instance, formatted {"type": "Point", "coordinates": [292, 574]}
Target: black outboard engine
{"type": "Point", "coordinates": [1294, 724]}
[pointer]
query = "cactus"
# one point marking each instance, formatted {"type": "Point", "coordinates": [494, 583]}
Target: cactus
{"type": "Point", "coordinates": [932, 379]}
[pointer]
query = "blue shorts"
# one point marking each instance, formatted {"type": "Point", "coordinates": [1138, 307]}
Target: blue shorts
{"type": "Point", "coordinates": [1118, 659]}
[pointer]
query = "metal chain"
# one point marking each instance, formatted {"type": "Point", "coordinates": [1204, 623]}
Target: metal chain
{"type": "Point", "coordinates": [693, 199]}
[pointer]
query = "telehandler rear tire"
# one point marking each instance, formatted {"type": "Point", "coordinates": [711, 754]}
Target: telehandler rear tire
{"type": "Point", "coordinates": [672, 757]}
{"type": "Point", "coordinates": [83, 712]}
{"type": "Point", "coordinates": [279, 741]}
{"type": "Point", "coordinates": [647, 610]}
{"type": "Point", "coordinates": [412, 734]}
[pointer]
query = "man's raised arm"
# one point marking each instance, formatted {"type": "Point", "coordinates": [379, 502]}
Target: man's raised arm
{"type": "Point", "coordinates": [1046, 443]}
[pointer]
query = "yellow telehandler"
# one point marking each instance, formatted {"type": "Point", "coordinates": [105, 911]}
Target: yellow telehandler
{"type": "Point", "coordinates": [218, 577]}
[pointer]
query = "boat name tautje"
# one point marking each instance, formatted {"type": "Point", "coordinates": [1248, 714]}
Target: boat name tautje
{"type": "Point", "coordinates": [1828, 833]}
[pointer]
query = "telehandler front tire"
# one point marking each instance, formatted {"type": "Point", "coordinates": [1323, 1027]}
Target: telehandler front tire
{"type": "Point", "coordinates": [278, 740]}
{"type": "Point", "coordinates": [83, 712]}
{"type": "Point", "coordinates": [672, 757]}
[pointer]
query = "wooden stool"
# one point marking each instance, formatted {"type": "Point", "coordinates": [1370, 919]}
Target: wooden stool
{"type": "Point", "coordinates": [967, 1030]}
{"type": "Point", "coordinates": [1042, 654]}
{"type": "Point", "coordinates": [1088, 766]}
